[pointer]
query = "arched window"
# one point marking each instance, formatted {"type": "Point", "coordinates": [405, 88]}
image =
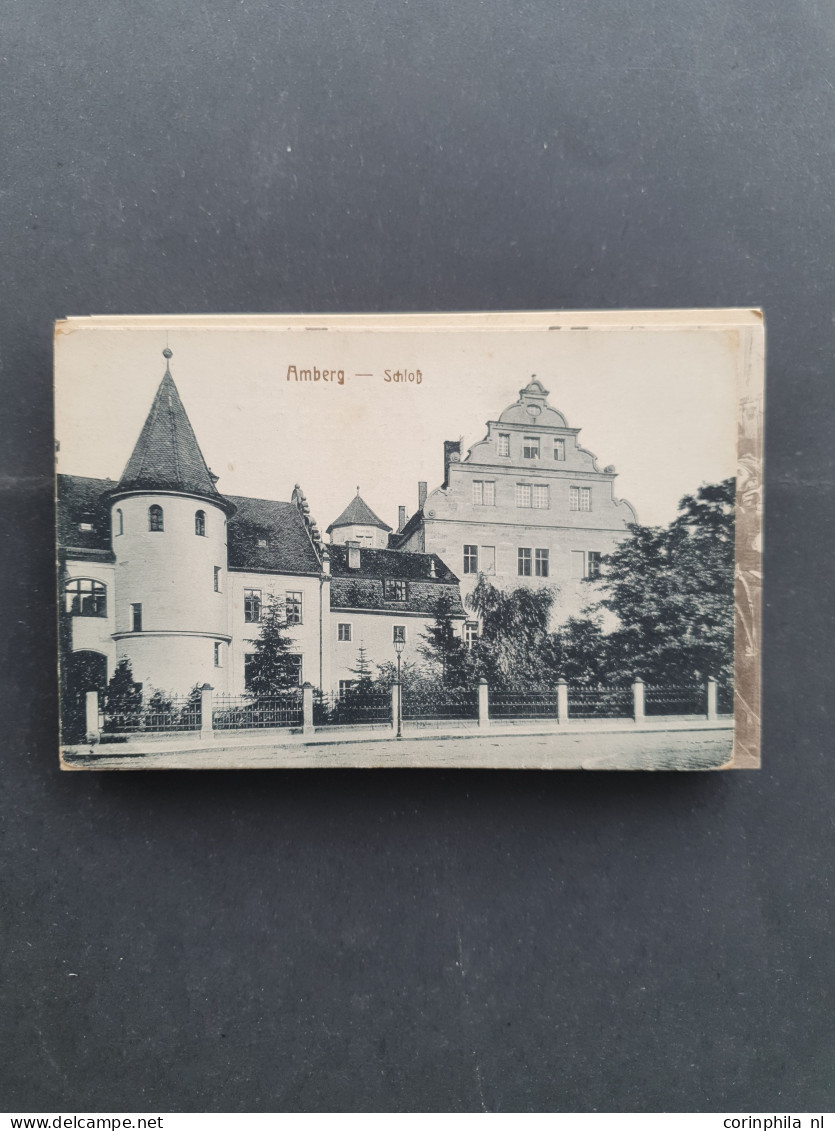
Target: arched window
{"type": "Point", "coordinates": [120, 522]}
{"type": "Point", "coordinates": [155, 517]}
{"type": "Point", "coordinates": [200, 523]}
{"type": "Point", "coordinates": [85, 598]}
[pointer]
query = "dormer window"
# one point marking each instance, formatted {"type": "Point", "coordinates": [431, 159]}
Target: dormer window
{"type": "Point", "coordinates": [86, 527]}
{"type": "Point", "coordinates": [155, 521]}
{"type": "Point", "coordinates": [200, 523]}
{"type": "Point", "coordinates": [394, 590]}
{"type": "Point", "coordinates": [262, 543]}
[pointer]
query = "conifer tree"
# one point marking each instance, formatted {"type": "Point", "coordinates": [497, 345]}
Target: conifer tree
{"type": "Point", "coordinates": [271, 670]}
{"type": "Point", "coordinates": [363, 669]}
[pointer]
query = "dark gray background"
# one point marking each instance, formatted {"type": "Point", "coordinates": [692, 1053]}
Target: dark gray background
{"type": "Point", "coordinates": [421, 941]}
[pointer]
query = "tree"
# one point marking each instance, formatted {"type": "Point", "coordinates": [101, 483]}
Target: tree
{"type": "Point", "coordinates": [122, 699]}
{"type": "Point", "coordinates": [514, 632]}
{"type": "Point", "coordinates": [271, 671]}
{"type": "Point", "coordinates": [579, 652]}
{"type": "Point", "coordinates": [443, 649]}
{"type": "Point", "coordinates": [671, 589]}
{"type": "Point", "coordinates": [363, 669]}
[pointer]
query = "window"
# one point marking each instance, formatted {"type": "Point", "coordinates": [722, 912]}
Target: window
{"type": "Point", "coordinates": [559, 450]}
{"type": "Point", "coordinates": [524, 561]}
{"type": "Point", "coordinates": [394, 590]}
{"type": "Point", "coordinates": [580, 498]}
{"type": "Point", "coordinates": [541, 562]}
{"type": "Point", "coordinates": [294, 669]}
{"type": "Point", "coordinates": [504, 444]}
{"type": "Point", "coordinates": [540, 496]}
{"type": "Point", "coordinates": [200, 523]}
{"type": "Point", "coordinates": [488, 559]}
{"type": "Point", "coordinates": [86, 527]}
{"type": "Point", "coordinates": [218, 654]}
{"type": "Point", "coordinates": [593, 564]}
{"type": "Point", "coordinates": [252, 605]}
{"type": "Point", "coordinates": [470, 632]}
{"type": "Point", "coordinates": [398, 634]}
{"type": "Point", "coordinates": [293, 603]}
{"type": "Point", "coordinates": [155, 518]}
{"type": "Point", "coordinates": [523, 494]}
{"type": "Point", "coordinates": [343, 632]}
{"type": "Point", "coordinates": [120, 522]}
{"type": "Point", "coordinates": [136, 618]}
{"type": "Point", "coordinates": [530, 447]}
{"type": "Point", "coordinates": [345, 686]}
{"type": "Point", "coordinates": [484, 492]}
{"type": "Point", "coordinates": [262, 543]}
{"type": "Point", "coordinates": [249, 663]}
{"type": "Point", "coordinates": [85, 598]}
{"type": "Point", "coordinates": [217, 579]}
{"type": "Point", "coordinates": [471, 559]}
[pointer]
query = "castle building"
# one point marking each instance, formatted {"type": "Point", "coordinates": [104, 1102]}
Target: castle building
{"type": "Point", "coordinates": [163, 570]}
{"type": "Point", "coordinates": [526, 506]}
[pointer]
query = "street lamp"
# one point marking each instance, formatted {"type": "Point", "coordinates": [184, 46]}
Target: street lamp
{"type": "Point", "coordinates": [398, 647]}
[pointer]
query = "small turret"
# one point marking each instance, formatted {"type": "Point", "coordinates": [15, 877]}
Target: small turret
{"type": "Point", "coordinates": [358, 523]}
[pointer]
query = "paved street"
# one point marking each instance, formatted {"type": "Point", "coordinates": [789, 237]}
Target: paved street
{"type": "Point", "coordinates": [646, 750]}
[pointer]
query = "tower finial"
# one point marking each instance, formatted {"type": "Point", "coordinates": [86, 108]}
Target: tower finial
{"type": "Point", "coordinates": [167, 353]}
{"type": "Point", "coordinates": [358, 490]}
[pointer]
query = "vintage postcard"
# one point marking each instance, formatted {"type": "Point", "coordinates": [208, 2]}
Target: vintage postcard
{"type": "Point", "coordinates": [506, 540]}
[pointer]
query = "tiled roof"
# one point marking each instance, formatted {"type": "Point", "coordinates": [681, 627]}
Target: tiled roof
{"type": "Point", "coordinates": [167, 456]}
{"type": "Point", "coordinates": [390, 564]}
{"type": "Point", "coordinates": [358, 513]}
{"type": "Point", "coordinates": [365, 588]}
{"type": "Point", "coordinates": [82, 501]}
{"type": "Point", "coordinates": [268, 535]}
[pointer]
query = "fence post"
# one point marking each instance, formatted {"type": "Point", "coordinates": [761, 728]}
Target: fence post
{"type": "Point", "coordinates": [638, 700]}
{"type": "Point", "coordinates": [562, 701]}
{"type": "Point", "coordinates": [711, 699]}
{"type": "Point", "coordinates": [483, 703]}
{"type": "Point", "coordinates": [395, 703]}
{"type": "Point", "coordinates": [207, 731]}
{"type": "Point", "coordinates": [91, 716]}
{"type": "Point", "coordinates": [307, 708]}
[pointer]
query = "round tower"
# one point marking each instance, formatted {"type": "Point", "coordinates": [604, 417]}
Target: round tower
{"type": "Point", "coordinates": [169, 540]}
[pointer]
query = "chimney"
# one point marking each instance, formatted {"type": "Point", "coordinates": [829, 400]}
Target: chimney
{"type": "Point", "coordinates": [353, 555]}
{"type": "Point", "coordinates": [421, 494]}
{"type": "Point", "coordinates": [401, 518]}
{"type": "Point", "coordinates": [452, 454]}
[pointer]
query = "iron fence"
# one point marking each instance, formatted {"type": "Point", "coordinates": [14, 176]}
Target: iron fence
{"type": "Point", "coordinates": [430, 704]}
{"type": "Point", "coordinates": [600, 703]}
{"type": "Point", "coordinates": [532, 703]}
{"type": "Point", "coordinates": [687, 700]}
{"type": "Point", "coordinates": [160, 715]}
{"type": "Point", "coordinates": [352, 708]}
{"type": "Point", "coordinates": [232, 712]}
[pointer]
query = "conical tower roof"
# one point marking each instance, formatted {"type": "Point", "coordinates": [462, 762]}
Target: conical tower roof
{"type": "Point", "coordinates": [167, 456]}
{"type": "Point", "coordinates": [357, 513]}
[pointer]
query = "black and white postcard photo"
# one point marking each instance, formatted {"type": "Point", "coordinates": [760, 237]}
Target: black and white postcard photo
{"type": "Point", "coordinates": [525, 541]}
